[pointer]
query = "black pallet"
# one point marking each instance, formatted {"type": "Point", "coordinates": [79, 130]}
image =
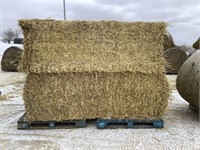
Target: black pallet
{"type": "Point", "coordinates": [193, 108]}
{"type": "Point", "coordinates": [23, 123]}
{"type": "Point", "coordinates": [129, 123]}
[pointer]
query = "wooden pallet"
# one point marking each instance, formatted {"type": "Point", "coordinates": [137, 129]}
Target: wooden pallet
{"type": "Point", "coordinates": [129, 123]}
{"type": "Point", "coordinates": [193, 108]}
{"type": "Point", "coordinates": [23, 123]}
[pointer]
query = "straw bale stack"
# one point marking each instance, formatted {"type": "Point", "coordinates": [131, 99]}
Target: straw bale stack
{"type": "Point", "coordinates": [187, 82]}
{"type": "Point", "coordinates": [93, 69]}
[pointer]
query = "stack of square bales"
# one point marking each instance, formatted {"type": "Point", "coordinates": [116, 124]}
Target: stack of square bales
{"type": "Point", "coordinates": [93, 69]}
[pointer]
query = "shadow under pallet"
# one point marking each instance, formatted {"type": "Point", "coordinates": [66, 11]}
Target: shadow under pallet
{"type": "Point", "coordinates": [24, 124]}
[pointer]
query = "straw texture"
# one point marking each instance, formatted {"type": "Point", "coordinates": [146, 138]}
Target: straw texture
{"type": "Point", "coordinates": [77, 46]}
{"type": "Point", "coordinates": [92, 95]}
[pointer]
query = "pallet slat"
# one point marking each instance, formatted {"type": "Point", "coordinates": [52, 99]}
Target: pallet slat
{"type": "Point", "coordinates": [129, 123]}
{"type": "Point", "coordinates": [23, 123]}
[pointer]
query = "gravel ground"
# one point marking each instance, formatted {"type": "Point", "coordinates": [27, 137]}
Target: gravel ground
{"type": "Point", "coordinates": [182, 129]}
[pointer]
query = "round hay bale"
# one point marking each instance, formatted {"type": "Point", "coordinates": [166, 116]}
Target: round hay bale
{"type": "Point", "coordinates": [175, 57]}
{"type": "Point", "coordinates": [168, 41]}
{"type": "Point", "coordinates": [11, 58]}
{"type": "Point", "coordinates": [196, 44]}
{"type": "Point", "coordinates": [187, 82]}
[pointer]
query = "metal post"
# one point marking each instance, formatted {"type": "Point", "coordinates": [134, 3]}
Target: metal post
{"type": "Point", "coordinates": [64, 9]}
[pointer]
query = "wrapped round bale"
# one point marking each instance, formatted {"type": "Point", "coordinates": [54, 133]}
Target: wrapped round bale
{"type": "Point", "coordinates": [93, 69]}
{"type": "Point", "coordinates": [168, 41]}
{"type": "Point", "coordinates": [188, 78]}
{"type": "Point", "coordinates": [175, 58]}
{"type": "Point", "coordinates": [11, 58]}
